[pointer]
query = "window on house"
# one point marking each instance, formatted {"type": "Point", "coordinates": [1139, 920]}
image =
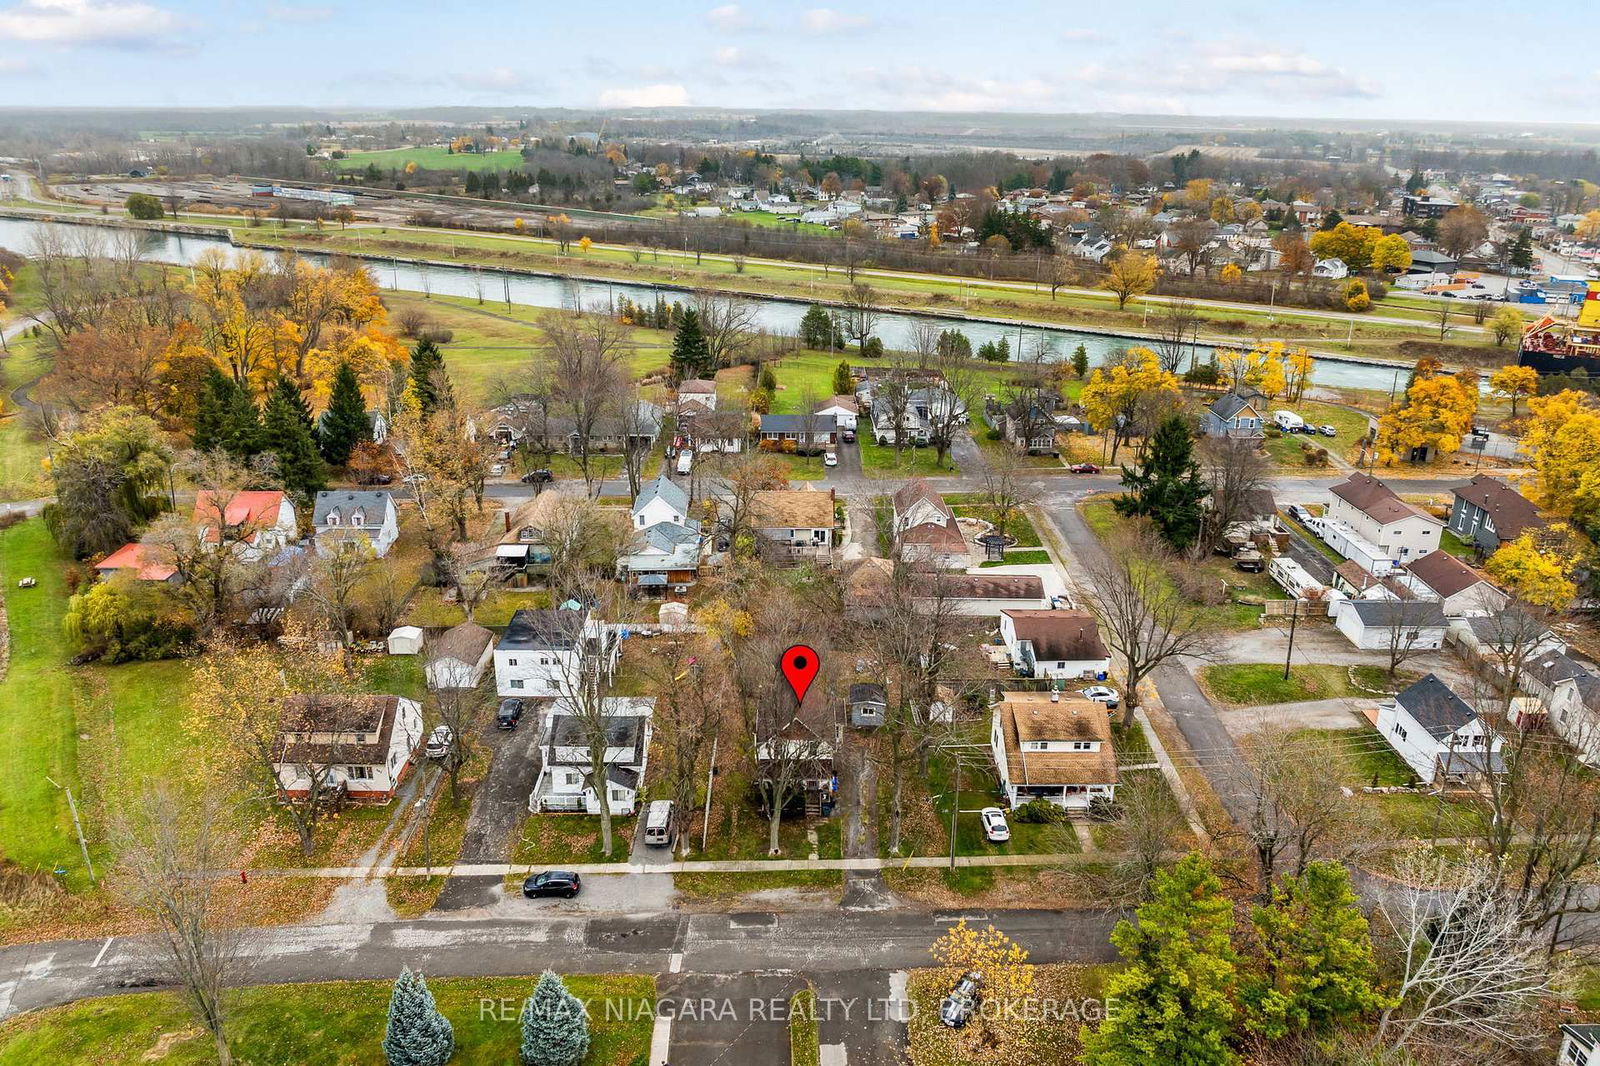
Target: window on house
{"type": "Point", "coordinates": [1083, 745]}
{"type": "Point", "coordinates": [361, 738]}
{"type": "Point", "coordinates": [511, 662]}
{"type": "Point", "coordinates": [516, 682]}
{"type": "Point", "coordinates": [358, 773]}
{"type": "Point", "coordinates": [1400, 731]}
{"type": "Point", "coordinates": [618, 796]}
{"type": "Point", "coordinates": [1038, 745]}
{"type": "Point", "coordinates": [572, 778]}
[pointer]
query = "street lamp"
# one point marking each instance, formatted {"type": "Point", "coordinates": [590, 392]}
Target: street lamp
{"type": "Point", "coordinates": [77, 825]}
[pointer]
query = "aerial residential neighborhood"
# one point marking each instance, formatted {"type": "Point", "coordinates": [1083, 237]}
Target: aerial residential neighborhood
{"type": "Point", "coordinates": [786, 537]}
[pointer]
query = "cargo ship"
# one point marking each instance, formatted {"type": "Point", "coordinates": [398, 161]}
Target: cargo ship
{"type": "Point", "coordinates": [1561, 345]}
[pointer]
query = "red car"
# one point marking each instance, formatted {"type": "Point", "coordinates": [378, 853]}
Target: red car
{"type": "Point", "coordinates": [1084, 468]}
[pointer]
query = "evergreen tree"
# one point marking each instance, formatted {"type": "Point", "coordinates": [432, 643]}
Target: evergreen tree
{"type": "Point", "coordinates": [1080, 361]}
{"type": "Point", "coordinates": [1172, 997]}
{"type": "Point", "coordinates": [767, 381]}
{"type": "Point", "coordinates": [1002, 350]}
{"type": "Point", "coordinates": [226, 418]}
{"type": "Point", "coordinates": [417, 1034]}
{"type": "Point", "coordinates": [817, 329]}
{"type": "Point", "coordinates": [428, 378]}
{"type": "Point", "coordinates": [286, 433]}
{"type": "Point", "coordinates": [1167, 487]}
{"type": "Point", "coordinates": [1416, 182]}
{"type": "Point", "coordinates": [843, 383]}
{"type": "Point", "coordinates": [1317, 966]}
{"type": "Point", "coordinates": [344, 423]}
{"type": "Point", "coordinates": [1330, 220]}
{"type": "Point", "coordinates": [555, 1026]}
{"type": "Point", "coordinates": [691, 357]}
{"type": "Point", "coordinates": [1522, 251]}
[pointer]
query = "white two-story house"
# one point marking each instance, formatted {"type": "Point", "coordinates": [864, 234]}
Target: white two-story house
{"type": "Point", "coordinates": [258, 523]}
{"type": "Point", "coordinates": [1053, 747]}
{"type": "Point", "coordinates": [544, 653]}
{"type": "Point", "coordinates": [565, 746]}
{"type": "Point", "coordinates": [345, 517]}
{"type": "Point", "coordinates": [1438, 735]}
{"type": "Point", "coordinates": [1061, 644]}
{"type": "Point", "coordinates": [1398, 531]}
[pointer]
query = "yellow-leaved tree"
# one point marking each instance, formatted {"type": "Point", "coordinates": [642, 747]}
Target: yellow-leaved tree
{"type": "Point", "coordinates": [1130, 274]}
{"type": "Point", "coordinates": [1563, 438]}
{"type": "Point", "coordinates": [1514, 382]}
{"type": "Point", "coordinates": [1264, 367]}
{"type": "Point", "coordinates": [1007, 974]}
{"type": "Point", "coordinates": [1434, 416]}
{"type": "Point", "coordinates": [1123, 398]}
{"type": "Point", "coordinates": [1538, 567]}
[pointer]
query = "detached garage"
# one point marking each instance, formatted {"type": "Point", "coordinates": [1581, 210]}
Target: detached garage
{"type": "Point", "coordinates": [1378, 625]}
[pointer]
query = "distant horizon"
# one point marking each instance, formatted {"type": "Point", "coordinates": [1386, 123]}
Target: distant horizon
{"type": "Point", "coordinates": [1150, 59]}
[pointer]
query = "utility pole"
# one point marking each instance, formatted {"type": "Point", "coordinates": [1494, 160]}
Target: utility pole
{"type": "Point", "coordinates": [955, 808]}
{"type": "Point", "coordinates": [1294, 616]}
{"type": "Point", "coordinates": [711, 773]}
{"type": "Point", "coordinates": [77, 825]}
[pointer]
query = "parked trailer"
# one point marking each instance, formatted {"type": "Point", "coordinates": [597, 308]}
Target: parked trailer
{"type": "Point", "coordinates": [1288, 421]}
{"type": "Point", "coordinates": [1294, 579]}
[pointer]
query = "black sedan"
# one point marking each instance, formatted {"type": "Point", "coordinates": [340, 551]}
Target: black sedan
{"type": "Point", "coordinates": [509, 713]}
{"type": "Point", "coordinates": [552, 883]}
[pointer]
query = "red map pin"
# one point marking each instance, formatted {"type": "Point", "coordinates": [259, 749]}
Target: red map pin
{"type": "Point", "coordinates": [800, 664]}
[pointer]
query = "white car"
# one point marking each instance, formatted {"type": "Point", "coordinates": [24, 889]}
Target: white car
{"type": "Point", "coordinates": [995, 829]}
{"type": "Point", "coordinates": [1100, 694]}
{"type": "Point", "coordinates": [439, 742]}
{"type": "Point", "coordinates": [830, 458]}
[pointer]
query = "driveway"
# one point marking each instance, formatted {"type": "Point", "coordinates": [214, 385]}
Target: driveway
{"type": "Point", "coordinates": [498, 808]}
{"type": "Point", "coordinates": [740, 1020]}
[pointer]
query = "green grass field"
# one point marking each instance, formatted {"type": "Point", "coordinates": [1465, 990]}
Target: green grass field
{"type": "Point", "coordinates": [22, 475]}
{"type": "Point", "coordinates": [1350, 425]}
{"type": "Point", "coordinates": [333, 1024]}
{"type": "Point", "coordinates": [1257, 684]}
{"type": "Point", "coordinates": [432, 157]}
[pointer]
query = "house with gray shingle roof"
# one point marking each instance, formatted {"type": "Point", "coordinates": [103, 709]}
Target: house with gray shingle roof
{"type": "Point", "coordinates": [344, 517]}
{"type": "Point", "coordinates": [1235, 416]}
{"type": "Point", "coordinates": [1439, 735]}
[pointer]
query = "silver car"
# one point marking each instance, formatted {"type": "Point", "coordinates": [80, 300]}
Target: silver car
{"type": "Point", "coordinates": [439, 742]}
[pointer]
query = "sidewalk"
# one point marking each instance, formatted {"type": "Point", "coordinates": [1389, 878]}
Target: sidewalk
{"type": "Point", "coordinates": [729, 866]}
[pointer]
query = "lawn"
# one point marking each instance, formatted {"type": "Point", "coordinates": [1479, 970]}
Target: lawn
{"type": "Point", "coordinates": [1457, 547]}
{"type": "Point", "coordinates": [1024, 557]}
{"type": "Point", "coordinates": [570, 838]}
{"type": "Point", "coordinates": [971, 505]}
{"type": "Point", "coordinates": [337, 1024]}
{"type": "Point", "coordinates": [804, 1049]}
{"type": "Point", "coordinates": [879, 460]}
{"type": "Point", "coordinates": [1350, 425]}
{"type": "Point", "coordinates": [22, 475]}
{"type": "Point", "coordinates": [1257, 684]}
{"type": "Point", "coordinates": [39, 737]}
{"type": "Point", "coordinates": [1366, 760]}
{"type": "Point", "coordinates": [433, 157]}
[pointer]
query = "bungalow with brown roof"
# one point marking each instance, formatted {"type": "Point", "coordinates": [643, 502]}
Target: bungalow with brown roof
{"type": "Point", "coordinates": [1460, 590]}
{"type": "Point", "coordinates": [1053, 747]}
{"type": "Point", "coordinates": [1061, 644]}
{"type": "Point", "coordinates": [364, 744]}
{"type": "Point", "coordinates": [1487, 512]}
{"type": "Point", "coordinates": [794, 524]}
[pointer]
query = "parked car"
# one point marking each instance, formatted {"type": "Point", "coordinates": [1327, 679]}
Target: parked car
{"type": "Point", "coordinates": [537, 477]}
{"type": "Point", "coordinates": [995, 829]}
{"type": "Point", "coordinates": [509, 714]}
{"type": "Point", "coordinates": [378, 479]}
{"type": "Point", "coordinates": [439, 742]}
{"type": "Point", "coordinates": [1299, 514]}
{"type": "Point", "coordinates": [830, 458]}
{"type": "Point", "coordinates": [1100, 694]}
{"type": "Point", "coordinates": [1084, 468]}
{"type": "Point", "coordinates": [1328, 431]}
{"type": "Point", "coordinates": [497, 469]}
{"type": "Point", "coordinates": [849, 436]}
{"type": "Point", "coordinates": [957, 1008]}
{"type": "Point", "coordinates": [552, 883]}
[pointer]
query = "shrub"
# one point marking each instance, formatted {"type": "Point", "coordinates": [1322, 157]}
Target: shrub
{"type": "Point", "coordinates": [873, 349]}
{"type": "Point", "coordinates": [1039, 812]}
{"type": "Point", "coordinates": [1198, 586]}
{"type": "Point", "coordinates": [1104, 809]}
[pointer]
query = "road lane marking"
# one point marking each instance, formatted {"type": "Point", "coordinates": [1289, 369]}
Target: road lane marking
{"type": "Point", "coordinates": [103, 949]}
{"type": "Point", "coordinates": [676, 964]}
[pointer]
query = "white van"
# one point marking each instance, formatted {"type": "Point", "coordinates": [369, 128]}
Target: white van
{"type": "Point", "coordinates": [658, 824]}
{"type": "Point", "coordinates": [1288, 421]}
{"type": "Point", "coordinates": [685, 461]}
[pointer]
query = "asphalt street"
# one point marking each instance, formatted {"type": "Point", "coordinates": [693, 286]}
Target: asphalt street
{"type": "Point", "coordinates": [824, 945]}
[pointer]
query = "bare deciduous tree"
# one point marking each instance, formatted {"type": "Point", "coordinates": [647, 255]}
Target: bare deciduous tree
{"type": "Point", "coordinates": [168, 847]}
{"type": "Point", "coordinates": [588, 365]}
{"type": "Point", "coordinates": [860, 315]}
{"type": "Point", "coordinates": [1144, 618]}
{"type": "Point", "coordinates": [1006, 491]}
{"type": "Point", "coordinates": [730, 326]}
{"type": "Point", "coordinates": [1237, 472]}
{"type": "Point", "coordinates": [1472, 973]}
{"type": "Point", "coordinates": [336, 578]}
{"type": "Point", "coordinates": [1177, 325]}
{"type": "Point", "coordinates": [693, 699]}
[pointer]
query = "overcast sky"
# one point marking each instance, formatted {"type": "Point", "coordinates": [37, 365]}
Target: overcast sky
{"type": "Point", "coordinates": [1386, 60]}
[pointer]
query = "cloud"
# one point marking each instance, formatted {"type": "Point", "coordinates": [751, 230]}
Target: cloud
{"type": "Point", "coordinates": [1082, 34]}
{"type": "Point", "coordinates": [126, 23]}
{"type": "Point", "coordinates": [663, 95]}
{"type": "Point", "coordinates": [827, 20]}
{"type": "Point", "coordinates": [729, 56]}
{"type": "Point", "coordinates": [10, 65]}
{"type": "Point", "coordinates": [729, 18]}
{"type": "Point", "coordinates": [495, 79]}
{"type": "Point", "coordinates": [300, 13]}
{"type": "Point", "coordinates": [1223, 68]}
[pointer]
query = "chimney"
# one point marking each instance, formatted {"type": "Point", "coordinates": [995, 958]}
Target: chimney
{"type": "Point", "coordinates": [508, 520]}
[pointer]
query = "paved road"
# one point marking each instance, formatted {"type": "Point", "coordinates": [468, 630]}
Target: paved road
{"type": "Point", "coordinates": [814, 943]}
